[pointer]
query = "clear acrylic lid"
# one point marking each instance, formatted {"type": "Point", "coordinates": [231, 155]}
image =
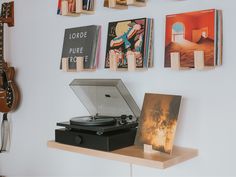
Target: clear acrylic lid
{"type": "Point", "coordinates": [107, 97]}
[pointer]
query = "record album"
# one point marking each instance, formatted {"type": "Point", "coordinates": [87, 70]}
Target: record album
{"type": "Point", "coordinates": [92, 121]}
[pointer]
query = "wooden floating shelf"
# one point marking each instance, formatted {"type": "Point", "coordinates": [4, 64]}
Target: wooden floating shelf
{"type": "Point", "coordinates": [198, 61]}
{"type": "Point", "coordinates": [64, 8]}
{"type": "Point", "coordinates": [134, 155]}
{"type": "Point", "coordinates": [88, 12]}
{"type": "Point", "coordinates": [139, 4]}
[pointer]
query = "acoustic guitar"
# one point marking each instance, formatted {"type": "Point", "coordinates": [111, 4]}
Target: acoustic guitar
{"type": "Point", "coordinates": [9, 93]}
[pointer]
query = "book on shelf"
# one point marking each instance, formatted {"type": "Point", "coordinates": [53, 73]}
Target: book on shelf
{"type": "Point", "coordinates": [158, 121]}
{"type": "Point", "coordinates": [190, 32]}
{"type": "Point", "coordinates": [122, 3]}
{"type": "Point", "coordinates": [136, 2]}
{"type": "Point", "coordinates": [81, 42]}
{"type": "Point", "coordinates": [106, 3]}
{"type": "Point", "coordinates": [59, 7]}
{"type": "Point", "coordinates": [130, 36]}
{"type": "Point", "coordinates": [88, 5]}
{"type": "Point", "coordinates": [117, 4]}
{"type": "Point", "coordinates": [68, 7]}
{"type": "Point", "coordinates": [74, 7]}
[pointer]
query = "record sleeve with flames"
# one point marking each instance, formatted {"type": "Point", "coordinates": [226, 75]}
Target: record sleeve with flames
{"type": "Point", "coordinates": [158, 121]}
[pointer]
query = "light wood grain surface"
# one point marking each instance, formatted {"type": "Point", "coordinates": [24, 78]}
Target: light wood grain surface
{"type": "Point", "coordinates": [134, 155]}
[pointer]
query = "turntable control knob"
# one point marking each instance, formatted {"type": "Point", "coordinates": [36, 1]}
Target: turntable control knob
{"type": "Point", "coordinates": [123, 120]}
{"type": "Point", "coordinates": [78, 140]}
{"type": "Point", "coordinates": [123, 117]}
{"type": "Point", "coordinates": [130, 117]}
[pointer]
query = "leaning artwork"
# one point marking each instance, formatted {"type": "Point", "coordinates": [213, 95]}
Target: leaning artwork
{"type": "Point", "coordinates": [158, 121]}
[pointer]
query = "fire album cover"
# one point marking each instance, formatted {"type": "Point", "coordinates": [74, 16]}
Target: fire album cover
{"type": "Point", "coordinates": [158, 121]}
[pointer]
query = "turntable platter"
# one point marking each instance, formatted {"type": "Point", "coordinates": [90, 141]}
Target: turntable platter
{"type": "Point", "coordinates": [91, 121]}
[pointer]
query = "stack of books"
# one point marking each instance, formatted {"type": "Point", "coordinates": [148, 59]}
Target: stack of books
{"type": "Point", "coordinates": [129, 44]}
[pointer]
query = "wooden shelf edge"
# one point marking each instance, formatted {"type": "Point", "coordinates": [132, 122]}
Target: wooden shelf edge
{"type": "Point", "coordinates": [88, 12]}
{"type": "Point", "coordinates": [139, 4]}
{"type": "Point", "coordinates": [72, 15]}
{"type": "Point", "coordinates": [120, 7]}
{"type": "Point", "coordinates": [134, 155]}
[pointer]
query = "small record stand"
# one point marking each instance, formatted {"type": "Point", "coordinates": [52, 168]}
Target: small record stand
{"type": "Point", "coordinates": [79, 65]}
{"type": "Point", "coordinates": [198, 61]}
{"type": "Point", "coordinates": [130, 59]}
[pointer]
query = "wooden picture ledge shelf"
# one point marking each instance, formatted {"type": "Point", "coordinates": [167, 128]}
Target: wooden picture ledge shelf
{"type": "Point", "coordinates": [134, 155]}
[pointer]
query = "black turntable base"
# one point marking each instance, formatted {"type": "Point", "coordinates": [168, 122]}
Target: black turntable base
{"type": "Point", "coordinates": [113, 116]}
{"type": "Point", "coordinates": [108, 141]}
{"type": "Point", "coordinates": [100, 124]}
{"type": "Point", "coordinates": [105, 133]}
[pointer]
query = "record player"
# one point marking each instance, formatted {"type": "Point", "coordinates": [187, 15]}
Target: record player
{"type": "Point", "coordinates": [113, 116]}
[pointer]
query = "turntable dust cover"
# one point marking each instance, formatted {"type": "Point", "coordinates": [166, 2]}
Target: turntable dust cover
{"type": "Point", "coordinates": [158, 121]}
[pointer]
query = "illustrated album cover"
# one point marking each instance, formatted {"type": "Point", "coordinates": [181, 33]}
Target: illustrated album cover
{"type": "Point", "coordinates": [130, 36]}
{"type": "Point", "coordinates": [194, 31]}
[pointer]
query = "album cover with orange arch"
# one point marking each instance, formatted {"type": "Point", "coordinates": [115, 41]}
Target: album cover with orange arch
{"type": "Point", "coordinates": [194, 31]}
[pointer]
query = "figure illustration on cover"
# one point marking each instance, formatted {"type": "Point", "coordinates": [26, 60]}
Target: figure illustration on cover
{"type": "Point", "coordinates": [125, 37]}
{"type": "Point", "coordinates": [158, 121]}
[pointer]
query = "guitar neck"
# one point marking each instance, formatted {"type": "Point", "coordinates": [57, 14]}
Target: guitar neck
{"type": "Point", "coordinates": [1, 44]}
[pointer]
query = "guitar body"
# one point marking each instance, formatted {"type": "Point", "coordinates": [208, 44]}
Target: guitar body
{"type": "Point", "coordinates": [9, 92]}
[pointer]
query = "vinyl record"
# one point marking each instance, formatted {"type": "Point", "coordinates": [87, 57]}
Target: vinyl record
{"type": "Point", "coordinates": [91, 121]}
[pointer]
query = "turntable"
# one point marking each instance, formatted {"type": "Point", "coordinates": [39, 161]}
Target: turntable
{"type": "Point", "coordinates": [113, 116]}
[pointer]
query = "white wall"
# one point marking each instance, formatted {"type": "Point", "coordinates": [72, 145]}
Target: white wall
{"type": "Point", "coordinates": [207, 120]}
